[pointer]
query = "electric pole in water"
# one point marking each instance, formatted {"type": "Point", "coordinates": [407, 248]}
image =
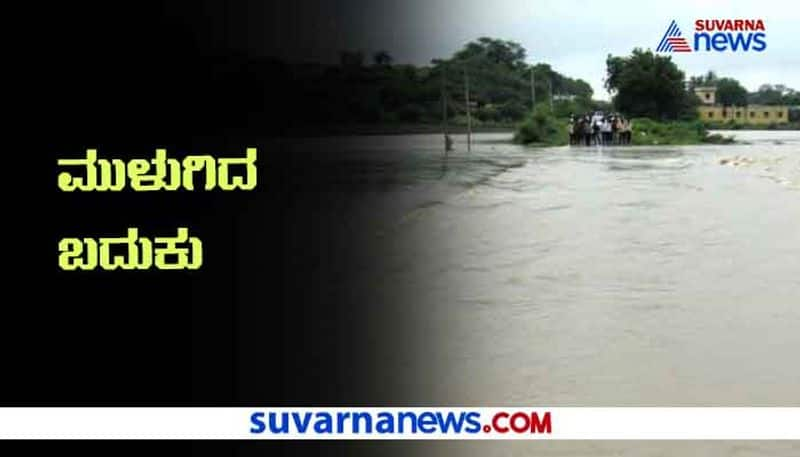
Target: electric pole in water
{"type": "Point", "coordinates": [447, 141]}
{"type": "Point", "coordinates": [469, 119]}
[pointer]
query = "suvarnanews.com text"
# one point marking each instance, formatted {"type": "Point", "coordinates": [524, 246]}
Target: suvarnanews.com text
{"type": "Point", "coordinates": [321, 423]}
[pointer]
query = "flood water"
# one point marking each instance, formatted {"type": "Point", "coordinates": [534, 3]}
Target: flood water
{"type": "Point", "coordinates": [574, 276]}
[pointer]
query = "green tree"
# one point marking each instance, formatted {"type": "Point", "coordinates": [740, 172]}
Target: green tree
{"type": "Point", "coordinates": [791, 98]}
{"type": "Point", "coordinates": [648, 85]}
{"type": "Point", "coordinates": [730, 92]}
{"type": "Point", "coordinates": [708, 79]}
{"type": "Point", "coordinates": [500, 80]}
{"type": "Point", "coordinates": [495, 51]}
{"type": "Point", "coordinates": [768, 94]}
{"type": "Point", "coordinates": [542, 127]}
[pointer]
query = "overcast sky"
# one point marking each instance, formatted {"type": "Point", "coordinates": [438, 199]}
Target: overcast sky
{"type": "Point", "coordinates": [574, 36]}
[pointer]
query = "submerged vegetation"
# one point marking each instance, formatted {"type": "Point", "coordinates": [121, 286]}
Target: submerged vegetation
{"type": "Point", "coordinates": [649, 132]}
{"type": "Point", "coordinates": [542, 128]}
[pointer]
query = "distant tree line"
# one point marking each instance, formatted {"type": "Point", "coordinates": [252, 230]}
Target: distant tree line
{"type": "Point", "coordinates": [374, 89]}
{"type": "Point", "coordinates": [731, 92]}
{"type": "Point", "coordinates": [777, 94]}
{"type": "Point", "coordinates": [645, 84]}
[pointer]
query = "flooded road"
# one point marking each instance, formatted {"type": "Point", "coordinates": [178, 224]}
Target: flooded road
{"type": "Point", "coordinates": [635, 276]}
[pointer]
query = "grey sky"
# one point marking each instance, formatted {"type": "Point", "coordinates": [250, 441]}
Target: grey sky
{"type": "Point", "coordinates": [573, 36]}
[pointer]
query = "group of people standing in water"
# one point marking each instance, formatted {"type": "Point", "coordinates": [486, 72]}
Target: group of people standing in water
{"type": "Point", "coordinates": [599, 129]}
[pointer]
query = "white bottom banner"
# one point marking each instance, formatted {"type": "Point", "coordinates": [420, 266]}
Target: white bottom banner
{"type": "Point", "coordinates": [412, 423]}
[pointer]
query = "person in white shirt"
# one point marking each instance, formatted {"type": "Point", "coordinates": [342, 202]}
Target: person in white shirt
{"type": "Point", "coordinates": [597, 120]}
{"type": "Point", "coordinates": [605, 130]}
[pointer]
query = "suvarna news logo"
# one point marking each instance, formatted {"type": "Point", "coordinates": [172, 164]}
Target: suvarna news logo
{"type": "Point", "coordinates": [716, 35]}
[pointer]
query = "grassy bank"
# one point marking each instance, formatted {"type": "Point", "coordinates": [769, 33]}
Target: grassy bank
{"type": "Point", "coordinates": [544, 129]}
{"type": "Point", "coordinates": [650, 132]}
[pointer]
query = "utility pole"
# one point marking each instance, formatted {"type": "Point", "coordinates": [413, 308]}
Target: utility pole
{"type": "Point", "coordinates": [447, 141]}
{"type": "Point", "coordinates": [469, 119]}
{"type": "Point", "coordinates": [533, 90]}
{"type": "Point", "coordinates": [551, 93]}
